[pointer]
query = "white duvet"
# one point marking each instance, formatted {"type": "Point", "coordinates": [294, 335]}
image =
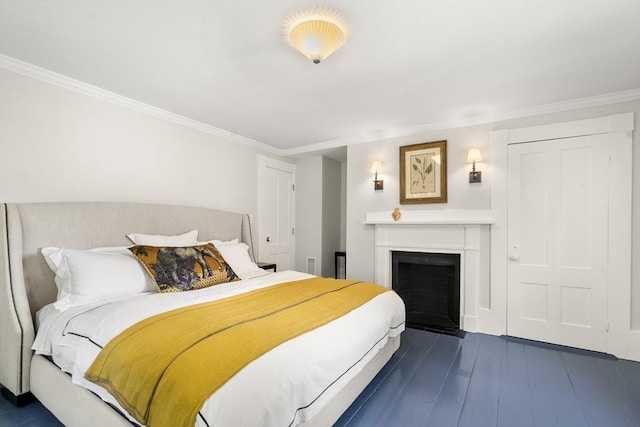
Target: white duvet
{"type": "Point", "coordinates": [285, 387]}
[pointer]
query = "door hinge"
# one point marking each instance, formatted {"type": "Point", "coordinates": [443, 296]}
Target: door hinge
{"type": "Point", "coordinates": [609, 159]}
{"type": "Point", "coordinates": [293, 231]}
{"type": "Point", "coordinates": [293, 187]}
{"type": "Point", "coordinates": [606, 326]}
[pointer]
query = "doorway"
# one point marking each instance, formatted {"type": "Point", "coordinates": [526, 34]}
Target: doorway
{"type": "Point", "coordinates": [276, 240]}
{"type": "Point", "coordinates": [560, 248]}
{"type": "Point", "coordinates": [558, 218]}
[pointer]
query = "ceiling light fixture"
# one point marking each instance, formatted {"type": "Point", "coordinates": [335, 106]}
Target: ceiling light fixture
{"type": "Point", "coordinates": [316, 33]}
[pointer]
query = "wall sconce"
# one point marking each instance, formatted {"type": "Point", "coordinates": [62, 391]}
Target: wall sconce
{"type": "Point", "coordinates": [376, 167]}
{"type": "Point", "coordinates": [472, 157]}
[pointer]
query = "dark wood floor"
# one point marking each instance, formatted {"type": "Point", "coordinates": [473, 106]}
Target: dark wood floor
{"type": "Point", "coordinates": [480, 381]}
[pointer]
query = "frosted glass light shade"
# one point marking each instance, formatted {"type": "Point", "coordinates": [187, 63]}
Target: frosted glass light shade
{"type": "Point", "coordinates": [376, 166]}
{"type": "Point", "coordinates": [474, 155]}
{"type": "Point", "coordinates": [316, 34]}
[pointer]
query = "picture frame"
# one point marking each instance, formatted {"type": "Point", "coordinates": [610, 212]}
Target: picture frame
{"type": "Point", "coordinates": [423, 173]}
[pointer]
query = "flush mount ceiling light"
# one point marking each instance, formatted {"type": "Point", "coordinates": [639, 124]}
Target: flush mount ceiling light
{"type": "Point", "coordinates": [316, 33]}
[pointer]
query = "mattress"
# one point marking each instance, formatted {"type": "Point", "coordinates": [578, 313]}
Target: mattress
{"type": "Point", "coordinates": [286, 386]}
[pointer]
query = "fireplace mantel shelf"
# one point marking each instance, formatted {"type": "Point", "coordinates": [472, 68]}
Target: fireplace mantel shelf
{"type": "Point", "coordinates": [429, 222]}
{"type": "Point", "coordinates": [441, 217]}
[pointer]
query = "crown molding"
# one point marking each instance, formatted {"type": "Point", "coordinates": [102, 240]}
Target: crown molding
{"type": "Point", "coordinates": [555, 107]}
{"type": "Point", "coordinates": [47, 76]}
{"type": "Point", "coordinates": [33, 71]}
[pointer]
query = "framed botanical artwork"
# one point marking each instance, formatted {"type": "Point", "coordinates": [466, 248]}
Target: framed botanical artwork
{"type": "Point", "coordinates": [423, 173]}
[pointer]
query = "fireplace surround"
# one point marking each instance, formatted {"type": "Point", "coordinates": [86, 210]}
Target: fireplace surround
{"type": "Point", "coordinates": [466, 234]}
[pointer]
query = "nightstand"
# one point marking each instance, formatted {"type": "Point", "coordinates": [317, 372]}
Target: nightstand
{"type": "Point", "coordinates": [267, 266]}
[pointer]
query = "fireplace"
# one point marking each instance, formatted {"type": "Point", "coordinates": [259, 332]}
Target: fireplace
{"type": "Point", "coordinates": [465, 234]}
{"type": "Point", "coordinates": [429, 284]}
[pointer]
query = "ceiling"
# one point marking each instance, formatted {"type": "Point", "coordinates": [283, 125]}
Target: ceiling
{"type": "Point", "coordinates": [405, 65]}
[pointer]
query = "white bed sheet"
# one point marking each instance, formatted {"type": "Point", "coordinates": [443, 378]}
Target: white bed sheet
{"type": "Point", "coordinates": [285, 387]}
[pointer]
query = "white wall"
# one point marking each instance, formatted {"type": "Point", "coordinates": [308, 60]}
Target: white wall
{"type": "Point", "coordinates": [462, 195]}
{"type": "Point", "coordinates": [343, 205]}
{"type": "Point", "coordinates": [318, 207]}
{"type": "Point", "coordinates": [362, 198]}
{"type": "Point", "coordinates": [59, 145]}
{"type": "Point", "coordinates": [309, 212]}
{"type": "Point", "coordinates": [331, 208]}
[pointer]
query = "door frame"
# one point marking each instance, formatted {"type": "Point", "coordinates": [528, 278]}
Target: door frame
{"type": "Point", "coordinates": [622, 340]}
{"type": "Point", "coordinates": [265, 162]}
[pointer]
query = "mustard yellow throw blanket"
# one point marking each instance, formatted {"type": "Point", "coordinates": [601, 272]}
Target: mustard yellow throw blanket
{"type": "Point", "coordinates": [163, 368]}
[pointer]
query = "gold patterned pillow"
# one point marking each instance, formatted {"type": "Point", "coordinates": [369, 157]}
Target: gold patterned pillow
{"type": "Point", "coordinates": [177, 269]}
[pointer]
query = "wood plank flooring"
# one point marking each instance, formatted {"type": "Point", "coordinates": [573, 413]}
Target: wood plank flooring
{"type": "Point", "coordinates": [479, 381]}
{"type": "Point", "coordinates": [486, 381]}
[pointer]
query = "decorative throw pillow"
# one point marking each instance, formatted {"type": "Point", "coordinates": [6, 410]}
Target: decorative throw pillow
{"type": "Point", "coordinates": [177, 269]}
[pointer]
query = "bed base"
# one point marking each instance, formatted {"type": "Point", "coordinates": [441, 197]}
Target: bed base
{"type": "Point", "coordinates": [71, 404]}
{"type": "Point", "coordinates": [336, 406]}
{"type": "Point", "coordinates": [55, 391]}
{"type": "Point", "coordinates": [19, 400]}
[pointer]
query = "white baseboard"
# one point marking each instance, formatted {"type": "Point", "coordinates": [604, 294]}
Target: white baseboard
{"type": "Point", "coordinates": [470, 323]}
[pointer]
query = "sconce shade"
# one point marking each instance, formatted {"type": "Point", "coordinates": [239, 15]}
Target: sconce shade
{"type": "Point", "coordinates": [474, 155]}
{"type": "Point", "coordinates": [316, 34]}
{"type": "Point", "coordinates": [376, 166]}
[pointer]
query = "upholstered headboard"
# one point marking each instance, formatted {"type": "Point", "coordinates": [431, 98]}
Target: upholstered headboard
{"type": "Point", "coordinates": [27, 284]}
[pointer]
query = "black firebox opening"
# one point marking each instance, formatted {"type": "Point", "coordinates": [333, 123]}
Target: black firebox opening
{"type": "Point", "coordinates": [429, 284]}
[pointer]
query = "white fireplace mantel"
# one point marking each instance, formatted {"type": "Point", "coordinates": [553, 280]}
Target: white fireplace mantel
{"type": "Point", "coordinates": [463, 232]}
{"type": "Point", "coordinates": [434, 217]}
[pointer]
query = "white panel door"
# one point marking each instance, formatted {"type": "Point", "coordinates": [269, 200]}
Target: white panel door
{"type": "Point", "coordinates": [276, 213]}
{"type": "Point", "coordinates": [557, 235]}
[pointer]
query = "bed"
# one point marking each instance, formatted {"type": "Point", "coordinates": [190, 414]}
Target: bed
{"type": "Point", "coordinates": [27, 285]}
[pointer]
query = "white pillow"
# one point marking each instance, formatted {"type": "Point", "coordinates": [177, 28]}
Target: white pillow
{"type": "Point", "coordinates": [237, 256]}
{"type": "Point", "coordinates": [217, 243]}
{"type": "Point", "coordinates": [189, 238]}
{"type": "Point", "coordinates": [84, 276]}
